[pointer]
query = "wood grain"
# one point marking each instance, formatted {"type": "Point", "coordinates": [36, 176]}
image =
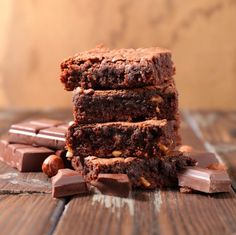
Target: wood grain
{"type": "Point", "coordinates": [14, 182]}
{"type": "Point", "coordinates": [29, 214]}
{"type": "Point", "coordinates": [160, 212]}
{"type": "Point", "coordinates": [197, 213]}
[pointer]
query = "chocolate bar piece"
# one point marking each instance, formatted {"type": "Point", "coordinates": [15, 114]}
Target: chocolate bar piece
{"type": "Point", "coordinates": [150, 138]}
{"type": "Point", "coordinates": [102, 68]}
{"type": "Point", "coordinates": [67, 183]}
{"type": "Point", "coordinates": [113, 184]}
{"type": "Point", "coordinates": [205, 180]}
{"type": "Point", "coordinates": [42, 132]}
{"type": "Point", "coordinates": [23, 157]}
{"type": "Point", "coordinates": [138, 104]}
{"type": "Point", "coordinates": [143, 173]}
{"type": "Point", "coordinates": [53, 137]}
{"type": "Point", "coordinates": [204, 159]}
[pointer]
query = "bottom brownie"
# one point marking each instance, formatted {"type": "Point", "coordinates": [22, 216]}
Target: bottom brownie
{"type": "Point", "coordinates": [143, 173]}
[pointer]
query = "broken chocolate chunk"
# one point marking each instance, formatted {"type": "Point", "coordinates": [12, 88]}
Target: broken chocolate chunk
{"type": "Point", "coordinates": [25, 158]}
{"type": "Point", "coordinates": [67, 183]}
{"type": "Point", "coordinates": [205, 180]}
{"type": "Point", "coordinates": [113, 184]}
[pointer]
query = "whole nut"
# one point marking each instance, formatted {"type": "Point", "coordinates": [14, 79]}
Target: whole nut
{"type": "Point", "coordinates": [51, 165]}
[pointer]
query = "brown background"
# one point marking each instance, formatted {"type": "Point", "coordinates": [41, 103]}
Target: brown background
{"type": "Point", "coordinates": [35, 35]}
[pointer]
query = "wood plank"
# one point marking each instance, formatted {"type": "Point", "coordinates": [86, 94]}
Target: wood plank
{"type": "Point", "coordinates": [197, 213]}
{"type": "Point", "coordinates": [158, 212]}
{"type": "Point", "coordinates": [219, 129]}
{"type": "Point", "coordinates": [29, 214]}
{"type": "Point", "coordinates": [14, 182]}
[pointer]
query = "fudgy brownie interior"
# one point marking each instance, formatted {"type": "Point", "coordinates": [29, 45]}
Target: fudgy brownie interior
{"type": "Point", "coordinates": [123, 139]}
{"type": "Point", "coordinates": [140, 104]}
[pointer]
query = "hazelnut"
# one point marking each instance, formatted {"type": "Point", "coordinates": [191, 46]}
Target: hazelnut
{"type": "Point", "coordinates": [51, 165]}
{"type": "Point", "coordinates": [145, 182]}
{"type": "Point", "coordinates": [116, 153]}
{"type": "Point", "coordinates": [185, 149]}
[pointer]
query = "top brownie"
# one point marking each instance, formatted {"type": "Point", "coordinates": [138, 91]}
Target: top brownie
{"type": "Point", "coordinates": [102, 68]}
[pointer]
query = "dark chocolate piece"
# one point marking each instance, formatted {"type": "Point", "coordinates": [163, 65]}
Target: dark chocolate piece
{"type": "Point", "coordinates": [67, 183]}
{"type": "Point", "coordinates": [204, 159]}
{"type": "Point", "coordinates": [205, 180]}
{"type": "Point", "coordinates": [23, 133]}
{"type": "Point", "coordinates": [23, 157]}
{"type": "Point", "coordinates": [113, 184]}
{"type": "Point", "coordinates": [102, 68]}
{"type": "Point", "coordinates": [53, 137]}
{"type": "Point", "coordinates": [143, 173]}
{"type": "Point", "coordinates": [138, 104]}
{"type": "Point", "coordinates": [150, 138]}
{"type": "Point", "coordinates": [41, 132]}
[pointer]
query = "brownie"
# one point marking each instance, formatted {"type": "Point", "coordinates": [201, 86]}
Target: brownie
{"type": "Point", "coordinates": [139, 104]}
{"type": "Point", "coordinates": [143, 173]}
{"type": "Point", "coordinates": [102, 68]}
{"type": "Point", "coordinates": [122, 139]}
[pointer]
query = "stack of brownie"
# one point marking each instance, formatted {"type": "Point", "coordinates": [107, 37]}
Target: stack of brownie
{"type": "Point", "coordinates": [125, 115]}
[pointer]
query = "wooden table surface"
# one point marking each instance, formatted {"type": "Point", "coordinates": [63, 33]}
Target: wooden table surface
{"type": "Point", "coordinates": [26, 206]}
